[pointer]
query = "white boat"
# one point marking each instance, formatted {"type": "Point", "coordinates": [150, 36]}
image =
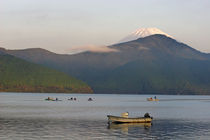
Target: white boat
{"type": "Point", "coordinates": [125, 119]}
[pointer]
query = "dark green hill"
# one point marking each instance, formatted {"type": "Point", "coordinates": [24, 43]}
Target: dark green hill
{"type": "Point", "coordinates": [154, 64]}
{"type": "Point", "coordinates": [17, 75]}
{"type": "Point", "coordinates": [169, 76]}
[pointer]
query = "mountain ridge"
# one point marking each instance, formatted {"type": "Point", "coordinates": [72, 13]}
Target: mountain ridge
{"type": "Point", "coordinates": [153, 64]}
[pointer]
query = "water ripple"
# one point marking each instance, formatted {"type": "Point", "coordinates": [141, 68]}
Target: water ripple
{"type": "Point", "coordinates": [54, 129]}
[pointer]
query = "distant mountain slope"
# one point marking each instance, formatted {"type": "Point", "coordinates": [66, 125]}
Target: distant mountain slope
{"type": "Point", "coordinates": [17, 75]}
{"type": "Point", "coordinates": [169, 76]}
{"type": "Point", "coordinates": [154, 64]}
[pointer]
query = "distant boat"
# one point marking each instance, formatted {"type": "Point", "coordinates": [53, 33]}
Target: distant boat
{"type": "Point", "coordinates": [151, 99]}
{"type": "Point", "coordinates": [52, 99]}
{"type": "Point", "coordinates": [125, 119]}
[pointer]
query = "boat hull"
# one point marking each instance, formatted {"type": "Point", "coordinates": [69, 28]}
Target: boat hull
{"type": "Point", "coordinates": [116, 119]}
{"type": "Point", "coordinates": [128, 125]}
{"type": "Point", "coordinates": [149, 99]}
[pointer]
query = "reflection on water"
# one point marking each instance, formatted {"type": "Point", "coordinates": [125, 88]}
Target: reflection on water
{"type": "Point", "coordinates": [54, 129]}
{"type": "Point", "coordinates": [124, 127]}
{"type": "Point", "coordinates": [50, 129]}
{"type": "Point", "coordinates": [29, 116]}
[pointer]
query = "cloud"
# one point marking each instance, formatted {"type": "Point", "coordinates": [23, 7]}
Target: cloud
{"type": "Point", "coordinates": [92, 48]}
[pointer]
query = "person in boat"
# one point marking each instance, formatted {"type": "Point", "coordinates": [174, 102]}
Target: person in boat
{"type": "Point", "coordinates": [49, 99]}
{"type": "Point", "coordinates": [90, 99]}
{"type": "Point", "coordinates": [146, 115]}
{"type": "Point", "coordinates": [75, 99]}
{"type": "Point", "coordinates": [125, 114]}
{"type": "Point", "coordinates": [155, 97]}
{"type": "Point", "coordinates": [56, 99]}
{"type": "Point", "coordinates": [70, 99]}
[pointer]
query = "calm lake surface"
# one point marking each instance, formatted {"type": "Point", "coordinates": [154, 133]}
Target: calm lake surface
{"type": "Point", "coordinates": [29, 116]}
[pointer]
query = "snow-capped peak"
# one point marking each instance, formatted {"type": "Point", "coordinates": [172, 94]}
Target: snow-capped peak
{"type": "Point", "coordinates": [143, 32]}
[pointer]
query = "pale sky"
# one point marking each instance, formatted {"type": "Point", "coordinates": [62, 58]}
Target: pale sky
{"type": "Point", "coordinates": [59, 25]}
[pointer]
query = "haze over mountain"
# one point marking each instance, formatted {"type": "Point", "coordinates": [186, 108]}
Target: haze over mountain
{"type": "Point", "coordinates": [155, 64]}
{"type": "Point", "coordinates": [17, 75]}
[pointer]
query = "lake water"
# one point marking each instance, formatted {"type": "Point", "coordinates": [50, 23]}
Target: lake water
{"type": "Point", "coordinates": [29, 116]}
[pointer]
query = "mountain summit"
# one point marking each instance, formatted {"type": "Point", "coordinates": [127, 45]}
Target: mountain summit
{"type": "Point", "coordinates": [143, 32]}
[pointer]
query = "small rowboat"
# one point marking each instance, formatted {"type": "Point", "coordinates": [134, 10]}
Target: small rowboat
{"type": "Point", "coordinates": [51, 99]}
{"type": "Point", "coordinates": [117, 119]}
{"type": "Point", "coordinates": [151, 99]}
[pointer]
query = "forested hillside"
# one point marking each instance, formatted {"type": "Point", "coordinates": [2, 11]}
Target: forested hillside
{"type": "Point", "coordinates": [18, 75]}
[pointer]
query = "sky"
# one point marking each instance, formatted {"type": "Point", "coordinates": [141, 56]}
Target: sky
{"type": "Point", "coordinates": [63, 25]}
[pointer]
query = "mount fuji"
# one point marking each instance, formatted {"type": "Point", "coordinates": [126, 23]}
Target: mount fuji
{"type": "Point", "coordinates": [143, 32]}
{"type": "Point", "coordinates": [151, 62]}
